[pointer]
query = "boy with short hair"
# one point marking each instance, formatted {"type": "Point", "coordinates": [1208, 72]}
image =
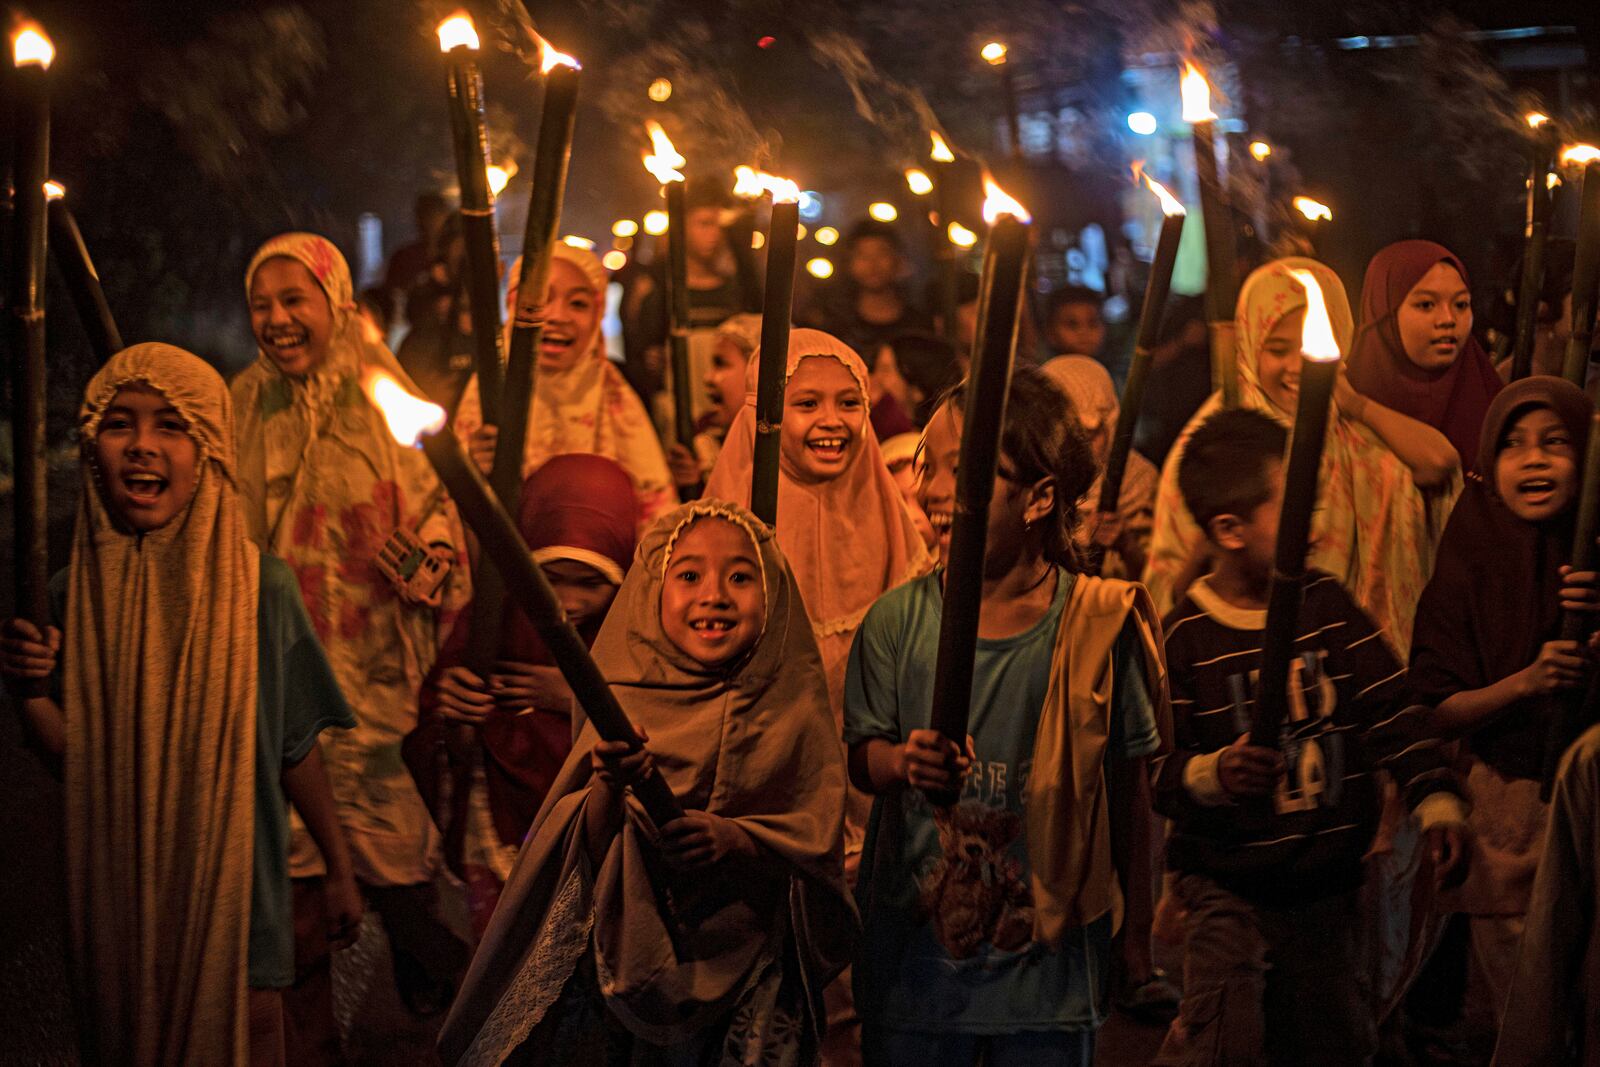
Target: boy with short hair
{"type": "Point", "coordinates": [1074, 322]}
{"type": "Point", "coordinates": [1267, 842]}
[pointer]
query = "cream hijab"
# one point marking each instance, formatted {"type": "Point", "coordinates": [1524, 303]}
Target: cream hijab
{"type": "Point", "coordinates": [161, 663]}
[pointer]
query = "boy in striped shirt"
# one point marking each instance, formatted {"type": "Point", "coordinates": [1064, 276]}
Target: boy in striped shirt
{"type": "Point", "coordinates": [1267, 842]}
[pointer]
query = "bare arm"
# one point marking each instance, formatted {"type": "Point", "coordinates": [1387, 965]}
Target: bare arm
{"type": "Point", "coordinates": [1560, 665]}
{"type": "Point", "coordinates": [28, 656]}
{"type": "Point", "coordinates": [306, 785]}
{"type": "Point", "coordinates": [928, 760]}
{"type": "Point", "coordinates": [1429, 454]}
{"type": "Point", "coordinates": [49, 725]}
{"type": "Point", "coordinates": [877, 766]}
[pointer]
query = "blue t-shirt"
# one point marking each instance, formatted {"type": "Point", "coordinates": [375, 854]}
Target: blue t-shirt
{"type": "Point", "coordinates": [296, 699]}
{"type": "Point", "coordinates": [967, 963]}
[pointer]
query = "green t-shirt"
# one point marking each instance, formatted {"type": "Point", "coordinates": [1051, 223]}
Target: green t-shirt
{"type": "Point", "coordinates": [907, 976]}
{"type": "Point", "coordinates": [297, 698]}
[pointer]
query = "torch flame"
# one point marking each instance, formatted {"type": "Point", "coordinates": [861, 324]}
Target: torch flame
{"type": "Point", "coordinates": [550, 59]}
{"type": "Point", "coordinates": [994, 53]}
{"type": "Point", "coordinates": [457, 31]}
{"type": "Point", "coordinates": [1552, 180]}
{"type": "Point", "coordinates": [940, 152]}
{"type": "Point", "coordinates": [1196, 95]}
{"type": "Point", "coordinates": [1312, 210]}
{"type": "Point", "coordinates": [1261, 150]}
{"type": "Point", "coordinates": [1579, 153]}
{"type": "Point", "coordinates": [1535, 119]}
{"type": "Point", "coordinates": [1316, 336]}
{"type": "Point", "coordinates": [960, 236]}
{"type": "Point", "coordinates": [31, 45]}
{"type": "Point", "coordinates": [663, 161]}
{"type": "Point", "coordinates": [1170, 205]}
{"type": "Point", "coordinates": [54, 190]}
{"type": "Point", "coordinates": [752, 184]}
{"type": "Point", "coordinates": [918, 182]}
{"type": "Point", "coordinates": [997, 202]}
{"type": "Point", "coordinates": [410, 418]}
{"type": "Point", "coordinates": [500, 176]}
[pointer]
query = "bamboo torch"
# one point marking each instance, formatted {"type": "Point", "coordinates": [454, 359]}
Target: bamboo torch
{"type": "Point", "coordinates": [1005, 264]}
{"type": "Point", "coordinates": [665, 164]}
{"type": "Point", "coordinates": [1535, 235]}
{"type": "Point", "coordinates": [1222, 269]}
{"type": "Point", "coordinates": [946, 253]}
{"type": "Point", "coordinates": [417, 423]}
{"type": "Point", "coordinates": [772, 356]}
{"type": "Point", "coordinates": [458, 38]}
{"type": "Point", "coordinates": [1155, 299]}
{"type": "Point", "coordinates": [1565, 713]}
{"type": "Point", "coordinates": [31, 52]}
{"type": "Point", "coordinates": [1585, 267]}
{"type": "Point", "coordinates": [71, 254]}
{"type": "Point", "coordinates": [1319, 352]}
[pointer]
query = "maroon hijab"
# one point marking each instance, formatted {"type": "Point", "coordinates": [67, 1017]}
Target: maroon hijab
{"type": "Point", "coordinates": [1455, 400]}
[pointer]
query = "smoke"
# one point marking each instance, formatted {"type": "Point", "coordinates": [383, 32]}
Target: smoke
{"type": "Point", "coordinates": [899, 111]}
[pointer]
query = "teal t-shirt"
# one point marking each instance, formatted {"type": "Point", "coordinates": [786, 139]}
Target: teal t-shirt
{"type": "Point", "coordinates": [965, 961]}
{"type": "Point", "coordinates": [297, 698]}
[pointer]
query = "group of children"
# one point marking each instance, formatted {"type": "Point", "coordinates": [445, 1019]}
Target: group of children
{"type": "Point", "coordinates": [227, 642]}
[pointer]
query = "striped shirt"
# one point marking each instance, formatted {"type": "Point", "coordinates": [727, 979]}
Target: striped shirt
{"type": "Point", "coordinates": [1347, 720]}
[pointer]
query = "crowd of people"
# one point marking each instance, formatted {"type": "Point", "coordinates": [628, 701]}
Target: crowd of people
{"type": "Point", "coordinates": [264, 732]}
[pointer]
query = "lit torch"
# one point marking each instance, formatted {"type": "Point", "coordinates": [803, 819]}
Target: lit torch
{"type": "Point", "coordinates": [1155, 300]}
{"type": "Point", "coordinates": [1319, 354]}
{"type": "Point", "coordinates": [31, 53]}
{"type": "Point", "coordinates": [71, 253]}
{"type": "Point", "coordinates": [1222, 268]}
{"type": "Point", "coordinates": [1312, 214]}
{"type": "Point", "coordinates": [665, 164]}
{"type": "Point", "coordinates": [1585, 266]}
{"type": "Point", "coordinates": [458, 39]}
{"type": "Point", "coordinates": [1005, 275]}
{"type": "Point", "coordinates": [777, 301]}
{"type": "Point", "coordinates": [1536, 234]}
{"type": "Point", "coordinates": [415, 423]}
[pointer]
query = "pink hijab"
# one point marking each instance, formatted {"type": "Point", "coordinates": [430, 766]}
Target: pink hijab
{"type": "Point", "coordinates": [1454, 400]}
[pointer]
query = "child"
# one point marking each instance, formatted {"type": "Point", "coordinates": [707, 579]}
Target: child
{"type": "Point", "coordinates": [735, 342]}
{"type": "Point", "coordinates": [188, 690]}
{"type": "Point", "coordinates": [1074, 324]}
{"type": "Point", "coordinates": [900, 457]}
{"type": "Point", "coordinates": [1486, 655]}
{"type": "Point", "coordinates": [873, 305]}
{"type": "Point", "coordinates": [1267, 842]}
{"type": "Point", "coordinates": [1387, 480]}
{"type": "Point", "coordinates": [579, 516]}
{"type": "Point", "coordinates": [1124, 534]}
{"type": "Point", "coordinates": [915, 369]}
{"type": "Point", "coordinates": [709, 939]}
{"type": "Point", "coordinates": [988, 926]}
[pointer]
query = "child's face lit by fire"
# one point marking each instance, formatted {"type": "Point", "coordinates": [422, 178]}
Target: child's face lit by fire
{"type": "Point", "coordinates": [824, 418]}
{"type": "Point", "coordinates": [724, 381]}
{"type": "Point", "coordinates": [713, 606]}
{"type": "Point", "coordinates": [1013, 505]}
{"type": "Point", "coordinates": [1278, 362]}
{"type": "Point", "coordinates": [1435, 319]}
{"type": "Point", "coordinates": [572, 316]}
{"type": "Point", "coordinates": [1536, 467]}
{"type": "Point", "coordinates": [1248, 543]}
{"type": "Point", "coordinates": [148, 464]}
{"type": "Point", "coordinates": [291, 315]}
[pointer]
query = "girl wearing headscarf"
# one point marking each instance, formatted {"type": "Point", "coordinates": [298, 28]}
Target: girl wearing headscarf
{"type": "Point", "coordinates": [580, 519]}
{"type": "Point", "coordinates": [190, 695]}
{"type": "Point", "coordinates": [1125, 536]}
{"type": "Point", "coordinates": [581, 401]}
{"type": "Point", "coordinates": [325, 487]}
{"type": "Point", "coordinates": [1486, 655]}
{"type": "Point", "coordinates": [1386, 484]}
{"type": "Point", "coordinates": [1415, 352]}
{"type": "Point", "coordinates": [616, 936]}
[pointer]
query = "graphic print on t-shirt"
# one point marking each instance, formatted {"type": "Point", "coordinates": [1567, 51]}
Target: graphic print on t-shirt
{"type": "Point", "coordinates": [975, 893]}
{"type": "Point", "coordinates": [1313, 757]}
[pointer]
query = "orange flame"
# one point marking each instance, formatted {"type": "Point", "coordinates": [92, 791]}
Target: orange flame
{"type": "Point", "coordinates": [1312, 210]}
{"type": "Point", "coordinates": [994, 53]}
{"type": "Point", "coordinates": [960, 236]}
{"type": "Point", "coordinates": [1552, 180]}
{"type": "Point", "coordinates": [997, 202]}
{"type": "Point", "coordinates": [31, 44]}
{"type": "Point", "coordinates": [1579, 153]}
{"type": "Point", "coordinates": [663, 160]}
{"type": "Point", "coordinates": [1170, 205]}
{"type": "Point", "coordinates": [1535, 119]}
{"type": "Point", "coordinates": [410, 418]}
{"type": "Point", "coordinates": [457, 31]}
{"type": "Point", "coordinates": [550, 59]}
{"type": "Point", "coordinates": [1196, 95]}
{"type": "Point", "coordinates": [1261, 150]}
{"type": "Point", "coordinates": [1317, 341]}
{"type": "Point", "coordinates": [752, 184]}
{"type": "Point", "coordinates": [940, 152]}
{"type": "Point", "coordinates": [918, 182]}
{"type": "Point", "coordinates": [500, 176]}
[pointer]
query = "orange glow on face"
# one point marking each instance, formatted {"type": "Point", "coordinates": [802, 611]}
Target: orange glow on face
{"type": "Point", "coordinates": [31, 45]}
{"type": "Point", "coordinates": [1312, 209]}
{"type": "Point", "coordinates": [410, 418]}
{"type": "Point", "coordinates": [1316, 336]}
{"type": "Point", "coordinates": [940, 152]}
{"type": "Point", "coordinates": [1196, 95]}
{"type": "Point", "coordinates": [997, 202]}
{"type": "Point", "coordinates": [663, 160]}
{"type": "Point", "coordinates": [1170, 205]}
{"type": "Point", "coordinates": [550, 59]}
{"type": "Point", "coordinates": [457, 31]}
